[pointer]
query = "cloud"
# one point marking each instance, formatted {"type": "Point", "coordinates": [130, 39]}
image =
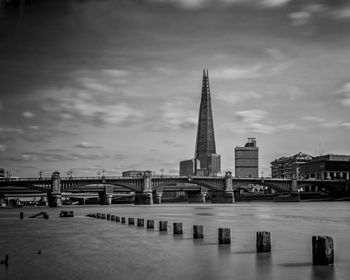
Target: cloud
{"type": "Point", "coordinates": [237, 97]}
{"type": "Point", "coordinates": [3, 148]}
{"type": "Point", "coordinates": [11, 130]}
{"type": "Point", "coordinates": [87, 145]}
{"type": "Point", "coordinates": [250, 121]}
{"type": "Point", "coordinates": [54, 157]}
{"type": "Point", "coordinates": [28, 115]}
{"type": "Point", "coordinates": [313, 119]}
{"type": "Point", "coordinates": [274, 3]}
{"type": "Point", "coordinates": [235, 73]}
{"type": "Point", "coordinates": [342, 13]}
{"type": "Point", "coordinates": [250, 116]}
{"type": "Point", "coordinates": [344, 95]}
{"type": "Point", "coordinates": [290, 126]}
{"type": "Point", "coordinates": [175, 114]}
{"type": "Point", "coordinates": [300, 18]}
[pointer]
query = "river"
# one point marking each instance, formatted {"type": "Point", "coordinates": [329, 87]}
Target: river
{"type": "Point", "coordinates": [88, 248]}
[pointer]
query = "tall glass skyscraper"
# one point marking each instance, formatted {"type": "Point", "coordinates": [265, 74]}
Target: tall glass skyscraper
{"type": "Point", "coordinates": [205, 143]}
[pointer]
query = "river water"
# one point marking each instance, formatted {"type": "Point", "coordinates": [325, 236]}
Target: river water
{"type": "Point", "coordinates": [88, 248]}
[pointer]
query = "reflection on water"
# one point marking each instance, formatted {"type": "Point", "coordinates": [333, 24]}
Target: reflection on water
{"type": "Point", "coordinates": [87, 248]}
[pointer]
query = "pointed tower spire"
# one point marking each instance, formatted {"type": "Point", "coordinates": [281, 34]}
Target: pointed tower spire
{"type": "Point", "coordinates": [205, 142]}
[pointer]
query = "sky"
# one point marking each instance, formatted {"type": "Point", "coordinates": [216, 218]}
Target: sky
{"type": "Point", "coordinates": [115, 85]}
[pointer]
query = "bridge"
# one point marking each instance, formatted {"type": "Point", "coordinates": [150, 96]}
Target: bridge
{"type": "Point", "coordinates": [148, 189]}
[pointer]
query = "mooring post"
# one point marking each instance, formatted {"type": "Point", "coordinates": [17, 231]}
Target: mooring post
{"type": "Point", "coordinates": [224, 236]}
{"type": "Point", "coordinates": [140, 222]}
{"type": "Point", "coordinates": [117, 219]}
{"type": "Point", "coordinates": [123, 220]}
{"type": "Point", "coordinates": [108, 217]}
{"type": "Point", "coordinates": [150, 224]}
{"type": "Point", "coordinates": [322, 250]}
{"type": "Point", "coordinates": [103, 216]}
{"type": "Point", "coordinates": [198, 232]}
{"type": "Point", "coordinates": [131, 221]}
{"type": "Point", "coordinates": [98, 215]}
{"type": "Point", "coordinates": [163, 225]}
{"type": "Point", "coordinates": [263, 241]}
{"type": "Point", "coordinates": [177, 228]}
{"type": "Point", "coordinates": [112, 217]}
{"type": "Point", "coordinates": [21, 215]}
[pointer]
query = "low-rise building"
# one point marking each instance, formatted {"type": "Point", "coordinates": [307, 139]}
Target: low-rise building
{"type": "Point", "coordinates": [327, 167]}
{"type": "Point", "coordinates": [289, 167]}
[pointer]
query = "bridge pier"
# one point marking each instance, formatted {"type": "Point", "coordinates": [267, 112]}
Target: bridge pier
{"type": "Point", "coordinates": [55, 194]}
{"type": "Point", "coordinates": [158, 198]}
{"type": "Point", "coordinates": [222, 197]}
{"type": "Point", "coordinates": [106, 196]}
{"type": "Point", "coordinates": [196, 196]}
{"type": "Point", "coordinates": [144, 198]}
{"type": "Point", "coordinates": [226, 196]}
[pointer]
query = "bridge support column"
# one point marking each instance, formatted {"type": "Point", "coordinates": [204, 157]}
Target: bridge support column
{"type": "Point", "coordinates": [106, 196]}
{"type": "Point", "coordinates": [146, 196]}
{"type": "Point", "coordinates": [227, 195]}
{"type": "Point", "coordinates": [158, 198]}
{"type": "Point", "coordinates": [194, 196]}
{"type": "Point", "coordinates": [55, 194]}
{"type": "Point", "coordinates": [203, 195]}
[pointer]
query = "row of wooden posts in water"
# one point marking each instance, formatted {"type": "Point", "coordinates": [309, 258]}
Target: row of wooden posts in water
{"type": "Point", "coordinates": [322, 246]}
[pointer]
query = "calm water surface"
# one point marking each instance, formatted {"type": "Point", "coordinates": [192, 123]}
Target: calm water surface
{"type": "Point", "coordinates": [87, 248]}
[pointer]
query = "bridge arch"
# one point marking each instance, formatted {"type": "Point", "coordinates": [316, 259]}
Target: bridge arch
{"type": "Point", "coordinates": [98, 186]}
{"type": "Point", "coordinates": [207, 185]}
{"type": "Point", "coordinates": [276, 187]}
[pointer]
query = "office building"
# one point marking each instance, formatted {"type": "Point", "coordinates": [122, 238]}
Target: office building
{"type": "Point", "coordinates": [247, 160]}
{"type": "Point", "coordinates": [289, 167]}
{"type": "Point", "coordinates": [327, 167]}
{"type": "Point", "coordinates": [189, 167]}
{"type": "Point", "coordinates": [205, 150]}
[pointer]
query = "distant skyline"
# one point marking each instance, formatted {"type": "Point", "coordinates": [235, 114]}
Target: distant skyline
{"type": "Point", "coordinates": [116, 84]}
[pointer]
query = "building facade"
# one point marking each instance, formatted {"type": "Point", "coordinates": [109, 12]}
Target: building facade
{"type": "Point", "coordinates": [327, 167]}
{"type": "Point", "coordinates": [133, 173]}
{"type": "Point", "coordinates": [205, 150]}
{"type": "Point", "coordinates": [189, 167]}
{"type": "Point", "coordinates": [247, 160]}
{"type": "Point", "coordinates": [289, 167]}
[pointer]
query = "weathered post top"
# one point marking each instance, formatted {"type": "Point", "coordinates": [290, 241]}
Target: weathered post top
{"type": "Point", "coordinates": [228, 174]}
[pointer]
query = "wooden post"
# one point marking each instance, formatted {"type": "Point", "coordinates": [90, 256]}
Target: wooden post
{"type": "Point", "coordinates": [21, 215]}
{"type": "Point", "coordinates": [108, 217]}
{"type": "Point", "coordinates": [322, 250]}
{"type": "Point", "coordinates": [198, 232]}
{"type": "Point", "coordinates": [163, 225]}
{"type": "Point", "coordinates": [112, 217]}
{"type": "Point", "coordinates": [123, 220]}
{"type": "Point", "coordinates": [131, 221]}
{"type": "Point", "coordinates": [117, 219]}
{"type": "Point", "coordinates": [140, 222]}
{"type": "Point", "coordinates": [224, 236]}
{"type": "Point", "coordinates": [150, 224]}
{"type": "Point", "coordinates": [177, 228]}
{"type": "Point", "coordinates": [98, 215]}
{"type": "Point", "coordinates": [103, 216]}
{"type": "Point", "coordinates": [263, 241]}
